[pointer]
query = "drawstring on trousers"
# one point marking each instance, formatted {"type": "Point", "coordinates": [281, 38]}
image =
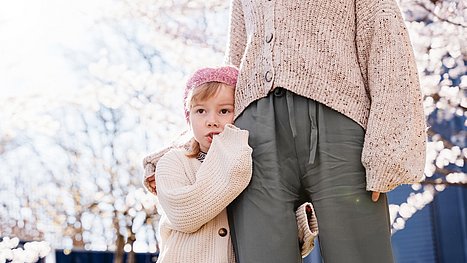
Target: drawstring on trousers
{"type": "Point", "coordinates": [314, 129]}
{"type": "Point", "coordinates": [313, 133]}
{"type": "Point", "coordinates": [291, 110]}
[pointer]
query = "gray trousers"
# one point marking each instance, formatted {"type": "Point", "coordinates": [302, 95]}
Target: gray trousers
{"type": "Point", "coordinates": [305, 151]}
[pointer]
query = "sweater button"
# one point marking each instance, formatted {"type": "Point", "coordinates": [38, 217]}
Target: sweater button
{"type": "Point", "coordinates": [222, 232]}
{"type": "Point", "coordinates": [279, 92]}
{"type": "Point", "coordinates": [269, 38]}
{"type": "Point", "coordinates": [268, 76]}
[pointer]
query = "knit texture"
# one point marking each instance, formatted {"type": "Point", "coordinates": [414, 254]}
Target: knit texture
{"type": "Point", "coordinates": [149, 164]}
{"type": "Point", "coordinates": [194, 197]}
{"type": "Point", "coordinates": [354, 56]}
{"type": "Point", "coordinates": [307, 228]}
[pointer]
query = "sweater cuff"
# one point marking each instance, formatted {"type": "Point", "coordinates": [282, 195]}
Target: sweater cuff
{"type": "Point", "coordinates": [232, 137]}
{"type": "Point", "coordinates": [384, 177]}
{"type": "Point", "coordinates": [307, 228]}
{"type": "Point", "coordinates": [149, 164]}
{"type": "Point", "coordinates": [231, 132]}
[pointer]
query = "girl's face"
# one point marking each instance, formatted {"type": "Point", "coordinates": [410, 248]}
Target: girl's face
{"type": "Point", "coordinates": [208, 117]}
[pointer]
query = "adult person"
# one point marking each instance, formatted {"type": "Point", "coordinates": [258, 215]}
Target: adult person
{"type": "Point", "coordinates": [329, 92]}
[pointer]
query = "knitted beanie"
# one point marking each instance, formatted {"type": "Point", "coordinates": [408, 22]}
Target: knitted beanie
{"type": "Point", "coordinates": [227, 75]}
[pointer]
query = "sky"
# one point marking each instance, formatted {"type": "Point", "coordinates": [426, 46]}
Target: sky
{"type": "Point", "coordinates": [35, 37]}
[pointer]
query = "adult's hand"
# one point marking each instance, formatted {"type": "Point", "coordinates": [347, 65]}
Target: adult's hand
{"type": "Point", "coordinates": [375, 196]}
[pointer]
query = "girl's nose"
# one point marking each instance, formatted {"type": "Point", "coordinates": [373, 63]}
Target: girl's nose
{"type": "Point", "coordinates": [212, 120]}
{"type": "Point", "coordinates": [213, 123]}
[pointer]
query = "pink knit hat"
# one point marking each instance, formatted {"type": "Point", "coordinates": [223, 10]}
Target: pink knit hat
{"type": "Point", "coordinates": [227, 75]}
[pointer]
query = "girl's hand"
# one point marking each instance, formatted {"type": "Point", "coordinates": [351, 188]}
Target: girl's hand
{"type": "Point", "coordinates": [151, 183]}
{"type": "Point", "coordinates": [375, 196]}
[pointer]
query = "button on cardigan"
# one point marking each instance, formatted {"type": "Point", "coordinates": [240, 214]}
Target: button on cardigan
{"type": "Point", "coordinates": [354, 56]}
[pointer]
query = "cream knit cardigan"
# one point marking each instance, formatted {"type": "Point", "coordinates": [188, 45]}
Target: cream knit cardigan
{"type": "Point", "coordinates": [354, 56]}
{"type": "Point", "coordinates": [194, 197]}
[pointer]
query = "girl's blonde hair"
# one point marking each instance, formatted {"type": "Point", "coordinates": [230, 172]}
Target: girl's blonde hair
{"type": "Point", "coordinates": [201, 93]}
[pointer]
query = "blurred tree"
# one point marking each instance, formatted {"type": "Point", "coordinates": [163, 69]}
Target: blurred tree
{"type": "Point", "coordinates": [88, 146]}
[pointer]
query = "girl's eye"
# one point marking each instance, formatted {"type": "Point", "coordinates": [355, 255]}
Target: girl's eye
{"type": "Point", "coordinates": [225, 111]}
{"type": "Point", "coordinates": [200, 111]}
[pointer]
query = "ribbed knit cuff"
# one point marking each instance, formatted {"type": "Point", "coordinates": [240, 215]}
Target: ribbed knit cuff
{"type": "Point", "coordinates": [149, 164]}
{"type": "Point", "coordinates": [233, 138]}
{"type": "Point", "coordinates": [380, 179]}
{"type": "Point", "coordinates": [384, 176]}
{"type": "Point", "coordinates": [307, 228]}
{"type": "Point", "coordinates": [233, 134]}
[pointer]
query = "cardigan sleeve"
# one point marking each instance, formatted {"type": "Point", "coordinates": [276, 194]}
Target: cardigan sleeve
{"type": "Point", "coordinates": [395, 140]}
{"type": "Point", "coordinates": [224, 174]}
{"type": "Point", "coordinates": [237, 34]}
{"type": "Point", "coordinates": [150, 164]}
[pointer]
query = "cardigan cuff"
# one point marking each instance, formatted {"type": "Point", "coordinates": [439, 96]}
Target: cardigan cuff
{"type": "Point", "coordinates": [233, 134]}
{"type": "Point", "coordinates": [307, 228]}
{"type": "Point", "coordinates": [384, 177]}
{"type": "Point", "coordinates": [149, 164]}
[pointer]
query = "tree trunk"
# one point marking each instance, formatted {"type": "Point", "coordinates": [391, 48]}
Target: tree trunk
{"type": "Point", "coordinates": [119, 252]}
{"type": "Point", "coordinates": [131, 255]}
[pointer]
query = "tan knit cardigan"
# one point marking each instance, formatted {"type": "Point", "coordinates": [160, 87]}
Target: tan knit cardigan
{"type": "Point", "coordinates": [194, 197]}
{"type": "Point", "coordinates": [354, 56]}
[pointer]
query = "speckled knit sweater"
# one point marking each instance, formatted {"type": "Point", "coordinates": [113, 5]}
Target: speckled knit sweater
{"type": "Point", "coordinates": [354, 56]}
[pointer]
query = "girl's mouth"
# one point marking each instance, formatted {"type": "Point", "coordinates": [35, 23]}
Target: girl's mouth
{"type": "Point", "coordinates": [211, 136]}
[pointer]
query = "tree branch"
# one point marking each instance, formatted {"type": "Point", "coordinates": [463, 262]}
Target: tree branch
{"type": "Point", "coordinates": [423, 6]}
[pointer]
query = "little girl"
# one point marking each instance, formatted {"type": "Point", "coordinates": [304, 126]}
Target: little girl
{"type": "Point", "coordinates": [196, 183]}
